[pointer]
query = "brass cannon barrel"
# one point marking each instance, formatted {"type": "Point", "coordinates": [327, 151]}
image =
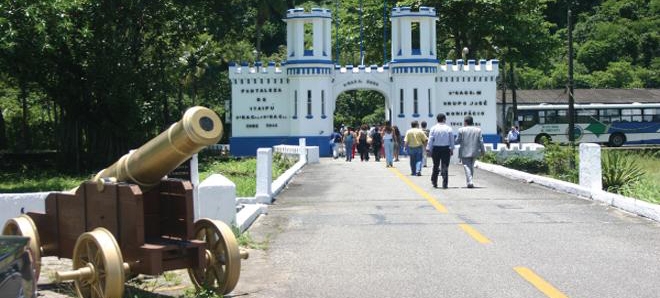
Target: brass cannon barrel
{"type": "Point", "coordinates": [147, 165]}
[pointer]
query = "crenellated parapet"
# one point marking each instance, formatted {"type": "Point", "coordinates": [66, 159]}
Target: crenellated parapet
{"type": "Point", "coordinates": [314, 13]}
{"type": "Point", "coordinates": [400, 11]}
{"type": "Point", "coordinates": [471, 66]}
{"type": "Point", "coordinates": [256, 68]}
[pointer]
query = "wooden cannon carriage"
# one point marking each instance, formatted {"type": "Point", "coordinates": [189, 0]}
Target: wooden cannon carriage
{"type": "Point", "coordinates": [128, 220]}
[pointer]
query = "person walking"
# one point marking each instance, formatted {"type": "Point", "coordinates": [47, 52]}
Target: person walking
{"type": "Point", "coordinates": [426, 132]}
{"type": "Point", "coordinates": [376, 142]}
{"type": "Point", "coordinates": [335, 141]}
{"type": "Point", "coordinates": [441, 148]}
{"type": "Point", "coordinates": [415, 141]}
{"type": "Point", "coordinates": [388, 143]}
{"type": "Point", "coordinates": [363, 143]}
{"type": "Point", "coordinates": [349, 138]}
{"type": "Point", "coordinates": [396, 139]}
{"type": "Point", "coordinates": [472, 146]}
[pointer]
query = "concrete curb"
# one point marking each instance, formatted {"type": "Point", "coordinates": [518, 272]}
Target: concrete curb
{"type": "Point", "coordinates": [632, 205]}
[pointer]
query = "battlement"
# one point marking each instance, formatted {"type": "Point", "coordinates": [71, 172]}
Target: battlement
{"type": "Point", "coordinates": [346, 69]}
{"type": "Point", "coordinates": [255, 68]}
{"type": "Point", "coordinates": [316, 12]}
{"type": "Point", "coordinates": [406, 11]}
{"type": "Point", "coordinates": [459, 65]}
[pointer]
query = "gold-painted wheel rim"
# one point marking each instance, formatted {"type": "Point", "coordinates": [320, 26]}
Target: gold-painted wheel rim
{"type": "Point", "coordinates": [99, 251]}
{"type": "Point", "coordinates": [223, 258]}
{"type": "Point", "coordinates": [24, 226]}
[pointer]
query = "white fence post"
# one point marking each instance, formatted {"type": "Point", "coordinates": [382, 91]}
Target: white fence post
{"type": "Point", "coordinates": [590, 166]}
{"type": "Point", "coordinates": [264, 192]}
{"type": "Point", "coordinates": [302, 147]}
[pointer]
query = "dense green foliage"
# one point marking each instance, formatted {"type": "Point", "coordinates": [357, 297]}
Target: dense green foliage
{"type": "Point", "coordinates": [619, 170]}
{"type": "Point", "coordinates": [92, 79]}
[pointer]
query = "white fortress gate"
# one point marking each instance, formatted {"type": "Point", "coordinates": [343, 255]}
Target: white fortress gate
{"type": "Point", "coordinates": [278, 104]}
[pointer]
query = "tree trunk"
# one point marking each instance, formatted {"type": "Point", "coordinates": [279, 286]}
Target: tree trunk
{"type": "Point", "coordinates": [514, 100]}
{"type": "Point", "coordinates": [503, 86]}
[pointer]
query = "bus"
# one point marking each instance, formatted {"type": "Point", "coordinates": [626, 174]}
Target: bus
{"type": "Point", "coordinates": [611, 124]}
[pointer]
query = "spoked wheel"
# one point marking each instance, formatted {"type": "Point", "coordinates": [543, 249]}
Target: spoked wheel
{"type": "Point", "coordinates": [24, 226]}
{"type": "Point", "coordinates": [98, 266]}
{"type": "Point", "coordinates": [223, 258]}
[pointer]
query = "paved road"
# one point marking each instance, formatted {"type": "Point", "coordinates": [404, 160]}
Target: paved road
{"type": "Point", "coordinates": [362, 230]}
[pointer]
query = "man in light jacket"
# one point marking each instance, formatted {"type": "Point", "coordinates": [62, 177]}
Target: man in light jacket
{"type": "Point", "coordinates": [472, 146]}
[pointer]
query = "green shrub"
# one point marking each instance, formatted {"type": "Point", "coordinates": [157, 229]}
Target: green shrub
{"type": "Point", "coordinates": [526, 164]}
{"type": "Point", "coordinates": [489, 157]}
{"type": "Point", "coordinates": [561, 162]}
{"type": "Point", "coordinates": [619, 170]}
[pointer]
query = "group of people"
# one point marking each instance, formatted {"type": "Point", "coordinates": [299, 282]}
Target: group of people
{"type": "Point", "coordinates": [378, 140]}
{"type": "Point", "coordinates": [418, 142]}
{"type": "Point", "coordinates": [439, 144]}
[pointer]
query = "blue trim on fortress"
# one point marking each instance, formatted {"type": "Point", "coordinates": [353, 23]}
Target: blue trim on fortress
{"type": "Point", "coordinates": [289, 62]}
{"type": "Point", "coordinates": [308, 70]}
{"type": "Point", "coordinates": [247, 146]}
{"type": "Point", "coordinates": [436, 61]}
{"type": "Point", "coordinates": [488, 139]}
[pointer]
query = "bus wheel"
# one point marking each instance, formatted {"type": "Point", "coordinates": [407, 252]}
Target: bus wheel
{"type": "Point", "coordinates": [617, 139]}
{"type": "Point", "coordinates": [542, 138]}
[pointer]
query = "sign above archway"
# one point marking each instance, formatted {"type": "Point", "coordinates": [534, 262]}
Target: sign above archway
{"type": "Point", "coordinates": [278, 104]}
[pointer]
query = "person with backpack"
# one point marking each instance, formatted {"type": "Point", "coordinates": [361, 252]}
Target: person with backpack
{"type": "Point", "coordinates": [363, 142]}
{"type": "Point", "coordinates": [376, 142]}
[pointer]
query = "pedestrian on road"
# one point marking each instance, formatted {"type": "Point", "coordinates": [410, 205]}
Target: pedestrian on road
{"type": "Point", "coordinates": [441, 148]}
{"type": "Point", "coordinates": [335, 141]}
{"type": "Point", "coordinates": [388, 143]}
{"type": "Point", "coordinates": [396, 139]}
{"type": "Point", "coordinates": [426, 132]}
{"type": "Point", "coordinates": [349, 138]}
{"type": "Point", "coordinates": [415, 142]}
{"type": "Point", "coordinates": [376, 142]}
{"type": "Point", "coordinates": [472, 146]}
{"type": "Point", "coordinates": [363, 144]}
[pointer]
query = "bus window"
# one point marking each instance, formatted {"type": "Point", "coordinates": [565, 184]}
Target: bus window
{"type": "Point", "coordinates": [610, 115]}
{"type": "Point", "coordinates": [542, 117]}
{"type": "Point", "coordinates": [631, 115]}
{"type": "Point", "coordinates": [651, 115]}
{"type": "Point", "coordinates": [586, 116]}
{"type": "Point", "coordinates": [562, 116]}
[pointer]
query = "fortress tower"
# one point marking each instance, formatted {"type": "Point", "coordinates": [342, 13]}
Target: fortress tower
{"type": "Point", "coordinates": [279, 104]}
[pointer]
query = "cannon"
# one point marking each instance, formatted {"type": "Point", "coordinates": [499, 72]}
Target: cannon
{"type": "Point", "coordinates": [129, 219]}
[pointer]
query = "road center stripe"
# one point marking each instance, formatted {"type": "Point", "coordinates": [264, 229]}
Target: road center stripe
{"type": "Point", "coordinates": [474, 233]}
{"type": "Point", "coordinates": [420, 191]}
{"type": "Point", "coordinates": [539, 283]}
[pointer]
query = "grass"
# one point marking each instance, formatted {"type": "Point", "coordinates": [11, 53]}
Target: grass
{"type": "Point", "coordinates": [37, 180]}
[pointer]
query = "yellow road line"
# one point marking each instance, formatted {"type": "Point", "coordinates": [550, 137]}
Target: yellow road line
{"type": "Point", "coordinates": [474, 233]}
{"type": "Point", "coordinates": [539, 283]}
{"type": "Point", "coordinates": [420, 191]}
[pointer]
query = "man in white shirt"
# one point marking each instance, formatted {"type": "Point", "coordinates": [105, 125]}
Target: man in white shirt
{"type": "Point", "coordinates": [441, 148]}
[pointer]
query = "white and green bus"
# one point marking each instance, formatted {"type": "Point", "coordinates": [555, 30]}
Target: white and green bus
{"type": "Point", "coordinates": [611, 124]}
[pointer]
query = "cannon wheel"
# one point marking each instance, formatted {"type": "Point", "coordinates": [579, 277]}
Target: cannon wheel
{"type": "Point", "coordinates": [223, 259]}
{"type": "Point", "coordinates": [24, 226]}
{"type": "Point", "coordinates": [98, 251]}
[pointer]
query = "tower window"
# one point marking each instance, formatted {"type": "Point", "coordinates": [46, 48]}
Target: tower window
{"type": "Point", "coordinates": [322, 103]}
{"type": "Point", "coordinates": [415, 102]}
{"type": "Point", "coordinates": [309, 103]}
{"type": "Point", "coordinates": [295, 104]}
{"type": "Point", "coordinates": [401, 101]}
{"type": "Point", "coordinates": [415, 38]}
